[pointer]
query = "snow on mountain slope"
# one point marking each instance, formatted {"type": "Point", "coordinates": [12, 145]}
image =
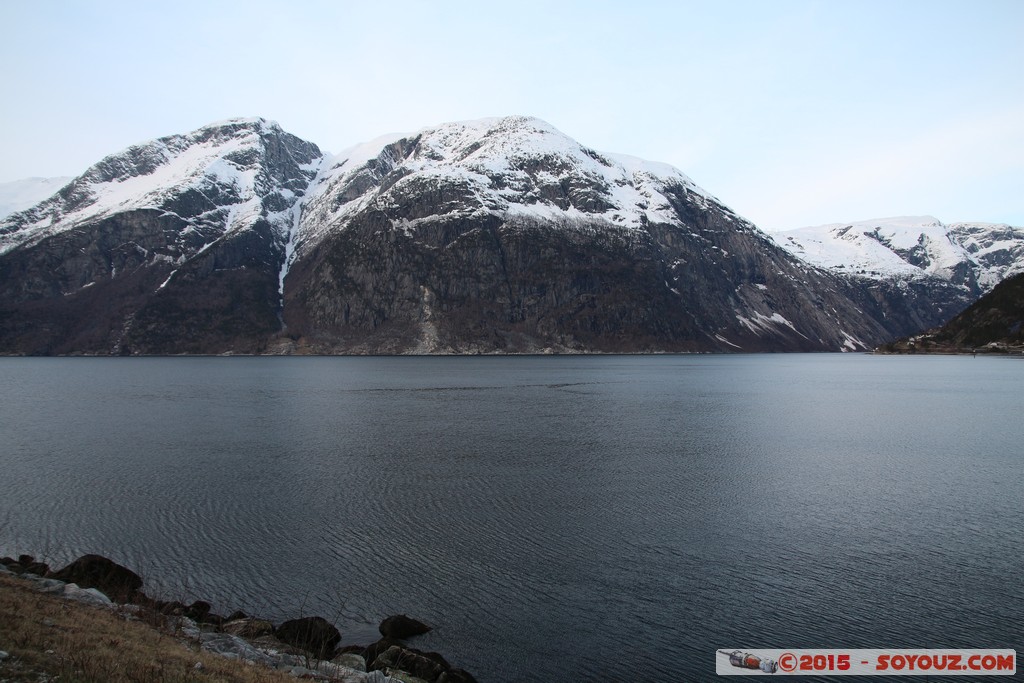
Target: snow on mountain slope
{"type": "Point", "coordinates": [495, 235]}
{"type": "Point", "coordinates": [998, 249]}
{"type": "Point", "coordinates": [511, 166]}
{"type": "Point", "coordinates": [506, 234]}
{"type": "Point", "coordinates": [974, 256]}
{"type": "Point", "coordinates": [19, 195]}
{"type": "Point", "coordinates": [219, 169]}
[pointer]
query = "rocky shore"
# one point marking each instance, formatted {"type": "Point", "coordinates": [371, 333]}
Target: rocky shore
{"type": "Point", "coordinates": [306, 647]}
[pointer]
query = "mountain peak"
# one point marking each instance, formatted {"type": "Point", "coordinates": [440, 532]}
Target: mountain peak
{"type": "Point", "coordinates": [214, 168]}
{"type": "Point", "coordinates": [255, 124]}
{"type": "Point", "coordinates": [515, 168]}
{"type": "Point", "coordinates": [242, 120]}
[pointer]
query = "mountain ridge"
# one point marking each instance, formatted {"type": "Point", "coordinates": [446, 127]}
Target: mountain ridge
{"type": "Point", "coordinates": [499, 235]}
{"type": "Point", "coordinates": [972, 255]}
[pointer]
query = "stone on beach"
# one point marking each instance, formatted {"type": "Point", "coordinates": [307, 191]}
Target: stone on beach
{"type": "Point", "coordinates": [96, 571]}
{"type": "Point", "coordinates": [413, 662]}
{"type": "Point", "coordinates": [400, 626]}
{"type": "Point", "coordinates": [231, 646]}
{"type": "Point", "coordinates": [351, 660]}
{"type": "Point", "coordinates": [25, 564]}
{"type": "Point", "coordinates": [89, 596]}
{"type": "Point", "coordinates": [314, 634]}
{"type": "Point", "coordinates": [248, 627]}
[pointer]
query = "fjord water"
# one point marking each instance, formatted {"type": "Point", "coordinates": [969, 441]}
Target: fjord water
{"type": "Point", "coordinates": [593, 518]}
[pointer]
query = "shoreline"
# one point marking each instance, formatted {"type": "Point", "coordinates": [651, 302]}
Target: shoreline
{"type": "Point", "coordinates": [306, 647]}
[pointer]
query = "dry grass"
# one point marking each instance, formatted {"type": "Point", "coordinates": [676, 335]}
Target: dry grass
{"type": "Point", "coordinates": [50, 639]}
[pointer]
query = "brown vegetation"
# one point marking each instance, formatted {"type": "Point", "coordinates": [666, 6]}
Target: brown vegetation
{"type": "Point", "coordinates": [47, 639]}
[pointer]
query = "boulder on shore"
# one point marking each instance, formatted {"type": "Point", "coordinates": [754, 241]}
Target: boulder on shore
{"type": "Point", "coordinates": [25, 564]}
{"type": "Point", "coordinates": [248, 627]}
{"type": "Point", "coordinates": [456, 676]}
{"type": "Point", "coordinates": [95, 571]}
{"type": "Point", "coordinates": [313, 634]}
{"type": "Point", "coordinates": [351, 660]}
{"type": "Point", "coordinates": [371, 651]}
{"type": "Point", "coordinates": [89, 596]}
{"type": "Point", "coordinates": [400, 626]}
{"type": "Point", "coordinates": [412, 662]}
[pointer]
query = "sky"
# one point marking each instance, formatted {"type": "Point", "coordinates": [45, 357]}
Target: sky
{"type": "Point", "coordinates": [792, 112]}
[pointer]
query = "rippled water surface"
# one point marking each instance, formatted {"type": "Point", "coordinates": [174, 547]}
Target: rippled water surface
{"type": "Point", "coordinates": [555, 518]}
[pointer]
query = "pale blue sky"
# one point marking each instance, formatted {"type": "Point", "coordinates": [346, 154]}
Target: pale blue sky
{"type": "Point", "coordinates": [792, 112]}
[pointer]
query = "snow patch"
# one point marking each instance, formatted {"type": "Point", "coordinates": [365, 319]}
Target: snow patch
{"type": "Point", "coordinates": [759, 323]}
{"type": "Point", "coordinates": [726, 341]}
{"type": "Point", "coordinates": [295, 219]}
{"type": "Point", "coordinates": [851, 343]}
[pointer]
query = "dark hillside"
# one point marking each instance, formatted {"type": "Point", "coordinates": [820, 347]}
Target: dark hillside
{"type": "Point", "coordinates": [992, 324]}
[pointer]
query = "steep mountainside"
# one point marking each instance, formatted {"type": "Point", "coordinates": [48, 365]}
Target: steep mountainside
{"type": "Point", "coordinates": [173, 246]}
{"type": "Point", "coordinates": [506, 235]}
{"type": "Point", "coordinates": [994, 324]}
{"type": "Point", "coordinates": [971, 256]}
{"type": "Point", "coordinates": [498, 235]}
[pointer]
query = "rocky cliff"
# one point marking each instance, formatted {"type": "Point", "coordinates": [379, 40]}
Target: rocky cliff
{"type": "Point", "coordinates": [497, 235]}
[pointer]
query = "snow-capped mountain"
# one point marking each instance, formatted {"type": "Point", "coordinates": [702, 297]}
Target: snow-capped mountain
{"type": "Point", "coordinates": [220, 179]}
{"type": "Point", "coordinates": [19, 195]}
{"type": "Point", "coordinates": [507, 234]}
{"type": "Point", "coordinates": [513, 167]}
{"type": "Point", "coordinates": [973, 256]}
{"type": "Point", "coordinates": [497, 235]}
{"type": "Point", "coordinates": [180, 239]}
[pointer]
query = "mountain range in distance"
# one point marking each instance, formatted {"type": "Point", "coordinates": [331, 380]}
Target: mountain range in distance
{"type": "Point", "coordinates": [498, 235]}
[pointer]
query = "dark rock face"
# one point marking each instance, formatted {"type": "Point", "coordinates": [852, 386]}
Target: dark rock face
{"type": "Point", "coordinates": [400, 626]}
{"type": "Point", "coordinates": [95, 571]}
{"type": "Point", "coordinates": [313, 634]}
{"type": "Point", "coordinates": [483, 285]}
